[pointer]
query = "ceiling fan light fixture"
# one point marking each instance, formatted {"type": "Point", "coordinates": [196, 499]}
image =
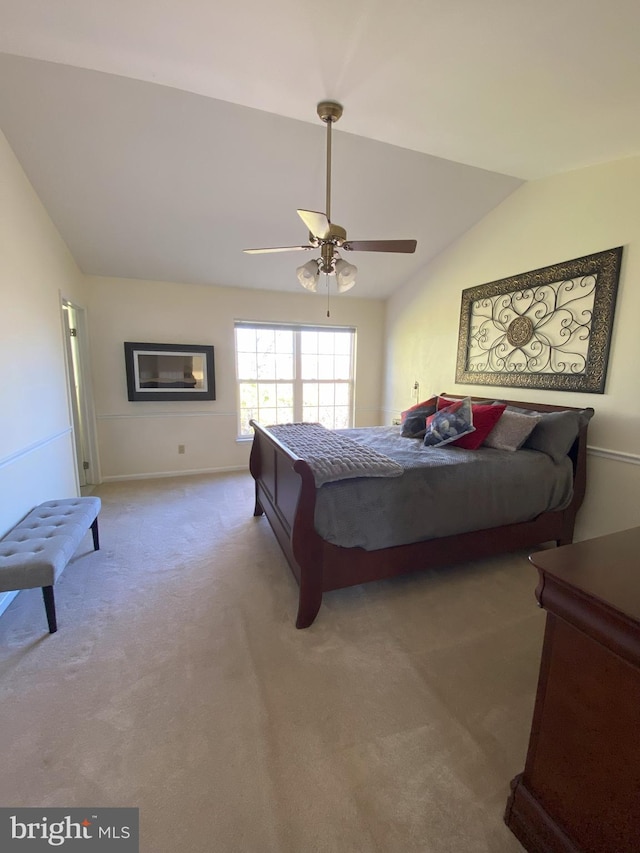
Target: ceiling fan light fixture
{"type": "Point", "coordinates": [308, 275]}
{"type": "Point", "coordinates": [327, 237]}
{"type": "Point", "coordinates": [345, 275]}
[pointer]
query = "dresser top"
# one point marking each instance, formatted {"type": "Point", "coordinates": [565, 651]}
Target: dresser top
{"type": "Point", "coordinates": [606, 569]}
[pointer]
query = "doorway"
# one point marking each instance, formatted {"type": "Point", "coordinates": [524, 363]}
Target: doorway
{"type": "Point", "coordinates": [79, 394]}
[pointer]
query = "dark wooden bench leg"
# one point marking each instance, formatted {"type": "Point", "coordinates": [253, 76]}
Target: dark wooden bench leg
{"type": "Point", "coordinates": [96, 538]}
{"type": "Point", "coordinates": [50, 607]}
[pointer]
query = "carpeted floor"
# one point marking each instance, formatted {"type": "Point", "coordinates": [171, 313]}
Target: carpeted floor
{"type": "Point", "coordinates": [177, 683]}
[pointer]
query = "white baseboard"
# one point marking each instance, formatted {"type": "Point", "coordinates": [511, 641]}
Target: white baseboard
{"type": "Point", "coordinates": [159, 474]}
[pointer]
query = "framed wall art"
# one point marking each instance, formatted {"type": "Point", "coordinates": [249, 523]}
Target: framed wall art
{"type": "Point", "coordinates": [549, 328]}
{"type": "Point", "coordinates": [169, 372]}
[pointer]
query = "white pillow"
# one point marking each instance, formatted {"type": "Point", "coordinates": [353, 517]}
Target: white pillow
{"type": "Point", "coordinates": [511, 431]}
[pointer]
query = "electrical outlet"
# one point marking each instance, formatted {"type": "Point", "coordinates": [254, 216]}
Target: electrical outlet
{"type": "Point", "coordinates": [396, 421]}
{"type": "Point", "coordinates": [181, 448]}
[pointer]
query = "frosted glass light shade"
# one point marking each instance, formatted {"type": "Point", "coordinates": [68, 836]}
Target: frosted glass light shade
{"type": "Point", "coordinates": [345, 275]}
{"type": "Point", "coordinates": [308, 275]}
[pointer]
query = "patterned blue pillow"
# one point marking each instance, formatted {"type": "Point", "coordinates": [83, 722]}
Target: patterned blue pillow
{"type": "Point", "coordinates": [449, 424]}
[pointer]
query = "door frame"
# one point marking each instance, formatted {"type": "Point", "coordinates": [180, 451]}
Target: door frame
{"type": "Point", "coordinates": [85, 399]}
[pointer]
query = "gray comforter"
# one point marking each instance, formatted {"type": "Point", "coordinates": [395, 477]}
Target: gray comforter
{"type": "Point", "coordinates": [331, 455]}
{"type": "Point", "coordinates": [443, 491]}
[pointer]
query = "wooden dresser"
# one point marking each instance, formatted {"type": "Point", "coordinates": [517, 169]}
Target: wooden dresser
{"type": "Point", "coordinates": [580, 789]}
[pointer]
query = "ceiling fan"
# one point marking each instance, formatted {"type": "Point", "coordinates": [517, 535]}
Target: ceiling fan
{"type": "Point", "coordinates": [328, 237]}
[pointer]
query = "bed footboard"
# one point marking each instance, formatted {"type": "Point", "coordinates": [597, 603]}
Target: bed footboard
{"type": "Point", "coordinates": [285, 492]}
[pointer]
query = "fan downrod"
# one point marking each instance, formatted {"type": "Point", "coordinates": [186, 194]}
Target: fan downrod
{"type": "Point", "coordinates": [329, 111]}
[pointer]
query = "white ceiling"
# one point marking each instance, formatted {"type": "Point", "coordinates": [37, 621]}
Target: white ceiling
{"type": "Point", "coordinates": [165, 138]}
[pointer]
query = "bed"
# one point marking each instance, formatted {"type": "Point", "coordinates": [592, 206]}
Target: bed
{"type": "Point", "coordinates": [336, 530]}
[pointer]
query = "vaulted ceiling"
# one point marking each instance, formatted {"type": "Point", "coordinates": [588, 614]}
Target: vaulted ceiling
{"type": "Point", "coordinates": [165, 138]}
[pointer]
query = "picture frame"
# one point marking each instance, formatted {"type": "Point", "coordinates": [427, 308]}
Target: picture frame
{"type": "Point", "coordinates": [549, 328]}
{"type": "Point", "coordinates": [169, 372]}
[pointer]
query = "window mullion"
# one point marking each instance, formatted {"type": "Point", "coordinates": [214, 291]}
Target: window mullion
{"type": "Point", "coordinates": [297, 378]}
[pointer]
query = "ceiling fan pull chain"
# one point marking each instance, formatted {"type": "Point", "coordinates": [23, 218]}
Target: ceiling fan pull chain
{"type": "Point", "coordinates": [326, 278]}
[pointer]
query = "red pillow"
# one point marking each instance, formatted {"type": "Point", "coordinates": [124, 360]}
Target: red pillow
{"type": "Point", "coordinates": [447, 401]}
{"type": "Point", "coordinates": [443, 402]}
{"type": "Point", "coordinates": [485, 417]}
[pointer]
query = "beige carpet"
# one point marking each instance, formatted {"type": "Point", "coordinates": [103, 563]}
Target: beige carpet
{"type": "Point", "coordinates": [178, 683]}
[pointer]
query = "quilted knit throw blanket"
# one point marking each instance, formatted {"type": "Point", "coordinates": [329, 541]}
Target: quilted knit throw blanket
{"type": "Point", "coordinates": [332, 456]}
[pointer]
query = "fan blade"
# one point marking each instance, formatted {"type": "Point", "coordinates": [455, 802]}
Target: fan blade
{"type": "Point", "coordinates": [380, 245]}
{"type": "Point", "coordinates": [317, 223]}
{"type": "Point", "coordinates": [279, 249]}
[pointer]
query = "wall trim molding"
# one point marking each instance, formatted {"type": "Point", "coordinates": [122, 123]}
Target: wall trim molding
{"type": "Point", "coordinates": [156, 475]}
{"type": "Point", "coordinates": [31, 448]}
{"type": "Point", "coordinates": [615, 455]}
{"type": "Point", "coordinates": [233, 414]}
{"type": "Point", "coordinates": [133, 415]}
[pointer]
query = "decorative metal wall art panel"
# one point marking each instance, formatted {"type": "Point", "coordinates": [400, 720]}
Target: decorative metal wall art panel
{"type": "Point", "coordinates": [550, 328]}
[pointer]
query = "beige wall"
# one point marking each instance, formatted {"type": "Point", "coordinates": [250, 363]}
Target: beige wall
{"type": "Point", "coordinates": [37, 460]}
{"type": "Point", "coordinates": [142, 438]}
{"type": "Point", "coordinates": [542, 223]}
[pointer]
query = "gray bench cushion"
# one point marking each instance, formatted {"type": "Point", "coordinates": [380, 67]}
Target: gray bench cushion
{"type": "Point", "coordinates": [36, 551]}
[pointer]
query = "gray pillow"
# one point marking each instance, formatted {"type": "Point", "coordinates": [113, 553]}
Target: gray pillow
{"type": "Point", "coordinates": [414, 420]}
{"type": "Point", "coordinates": [556, 431]}
{"type": "Point", "coordinates": [512, 430]}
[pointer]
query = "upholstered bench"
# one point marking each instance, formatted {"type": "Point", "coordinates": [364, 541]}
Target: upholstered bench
{"type": "Point", "coordinates": [35, 552]}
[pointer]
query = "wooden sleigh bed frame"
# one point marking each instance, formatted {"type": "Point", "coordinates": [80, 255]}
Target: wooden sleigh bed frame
{"type": "Point", "coordinates": [285, 491]}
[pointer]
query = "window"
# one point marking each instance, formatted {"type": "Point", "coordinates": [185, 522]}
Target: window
{"type": "Point", "coordinates": [290, 373]}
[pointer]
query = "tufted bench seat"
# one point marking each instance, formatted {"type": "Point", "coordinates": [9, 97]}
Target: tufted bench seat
{"type": "Point", "coordinates": [35, 552]}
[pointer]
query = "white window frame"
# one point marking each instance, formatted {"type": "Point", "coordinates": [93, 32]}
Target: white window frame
{"type": "Point", "coordinates": [297, 380]}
